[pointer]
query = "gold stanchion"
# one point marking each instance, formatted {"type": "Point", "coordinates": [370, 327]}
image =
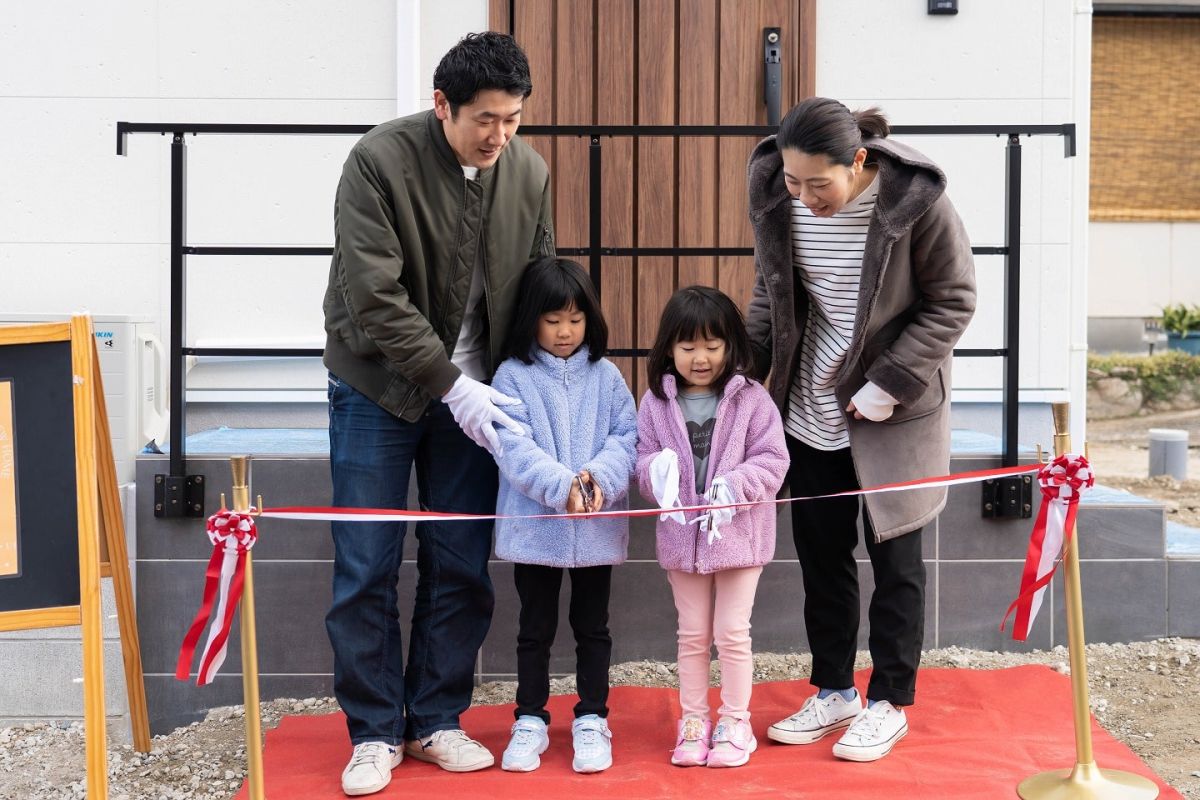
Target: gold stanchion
{"type": "Point", "coordinates": [241, 504]}
{"type": "Point", "coordinates": [1086, 781]}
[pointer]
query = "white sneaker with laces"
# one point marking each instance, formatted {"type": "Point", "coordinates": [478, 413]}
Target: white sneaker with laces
{"type": "Point", "coordinates": [816, 719]}
{"type": "Point", "coordinates": [529, 741]}
{"type": "Point", "coordinates": [451, 750]}
{"type": "Point", "coordinates": [370, 768]}
{"type": "Point", "coordinates": [873, 733]}
{"type": "Point", "coordinates": [593, 744]}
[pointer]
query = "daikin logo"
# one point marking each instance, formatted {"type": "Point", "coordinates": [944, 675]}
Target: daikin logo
{"type": "Point", "coordinates": [106, 338]}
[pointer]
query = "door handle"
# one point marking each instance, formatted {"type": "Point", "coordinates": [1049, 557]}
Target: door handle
{"type": "Point", "coordinates": [772, 74]}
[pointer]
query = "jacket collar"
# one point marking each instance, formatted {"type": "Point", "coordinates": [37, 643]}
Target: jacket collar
{"type": "Point", "coordinates": [441, 146]}
{"type": "Point", "coordinates": [571, 366]}
{"type": "Point", "coordinates": [732, 386]}
{"type": "Point", "coordinates": [909, 182]}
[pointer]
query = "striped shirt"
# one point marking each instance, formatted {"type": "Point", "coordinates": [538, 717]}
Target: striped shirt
{"type": "Point", "coordinates": [827, 253]}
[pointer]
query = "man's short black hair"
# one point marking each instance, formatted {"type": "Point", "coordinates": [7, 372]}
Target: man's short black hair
{"type": "Point", "coordinates": [482, 61]}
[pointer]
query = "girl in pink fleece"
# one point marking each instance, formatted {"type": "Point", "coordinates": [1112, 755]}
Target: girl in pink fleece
{"type": "Point", "coordinates": [708, 435]}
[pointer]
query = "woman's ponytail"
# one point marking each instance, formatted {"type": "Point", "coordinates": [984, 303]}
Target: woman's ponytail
{"type": "Point", "coordinates": [821, 125]}
{"type": "Point", "coordinates": [872, 122]}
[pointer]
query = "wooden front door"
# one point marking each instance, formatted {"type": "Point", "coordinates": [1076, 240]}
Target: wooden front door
{"type": "Point", "coordinates": [656, 62]}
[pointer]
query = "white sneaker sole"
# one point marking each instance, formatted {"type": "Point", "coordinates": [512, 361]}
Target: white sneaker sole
{"type": "Point", "coordinates": [587, 769]}
{"type": "Point", "coordinates": [874, 753]}
{"type": "Point", "coordinates": [472, 767]}
{"type": "Point", "coordinates": [784, 736]}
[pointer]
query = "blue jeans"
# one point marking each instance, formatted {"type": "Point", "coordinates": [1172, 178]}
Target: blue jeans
{"type": "Point", "coordinates": [371, 455]}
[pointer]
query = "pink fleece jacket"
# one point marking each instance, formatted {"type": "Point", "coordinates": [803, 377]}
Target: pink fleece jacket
{"type": "Point", "coordinates": [748, 451]}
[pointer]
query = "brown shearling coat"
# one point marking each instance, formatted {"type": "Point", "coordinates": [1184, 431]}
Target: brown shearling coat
{"type": "Point", "coordinates": [916, 296]}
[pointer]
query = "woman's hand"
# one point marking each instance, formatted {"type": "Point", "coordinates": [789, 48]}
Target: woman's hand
{"type": "Point", "coordinates": [871, 402]}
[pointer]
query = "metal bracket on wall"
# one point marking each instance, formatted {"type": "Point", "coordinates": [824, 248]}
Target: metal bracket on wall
{"type": "Point", "coordinates": [1008, 498]}
{"type": "Point", "coordinates": [772, 74]}
{"type": "Point", "coordinates": [179, 495]}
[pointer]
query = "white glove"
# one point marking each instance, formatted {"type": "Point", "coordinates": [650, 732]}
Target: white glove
{"type": "Point", "coordinates": [718, 494]}
{"type": "Point", "coordinates": [873, 403]}
{"type": "Point", "coordinates": [473, 405]}
{"type": "Point", "coordinates": [664, 482]}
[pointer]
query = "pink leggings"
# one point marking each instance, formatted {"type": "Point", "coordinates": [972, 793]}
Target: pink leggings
{"type": "Point", "coordinates": [724, 620]}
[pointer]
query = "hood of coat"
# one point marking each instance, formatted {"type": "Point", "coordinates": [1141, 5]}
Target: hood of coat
{"type": "Point", "coordinates": [909, 182]}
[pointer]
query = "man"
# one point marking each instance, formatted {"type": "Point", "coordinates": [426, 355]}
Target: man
{"type": "Point", "coordinates": [435, 218]}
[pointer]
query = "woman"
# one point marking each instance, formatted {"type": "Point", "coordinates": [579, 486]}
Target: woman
{"type": "Point", "coordinates": [864, 282]}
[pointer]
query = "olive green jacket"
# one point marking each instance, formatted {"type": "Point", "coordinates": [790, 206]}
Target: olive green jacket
{"type": "Point", "coordinates": [407, 225]}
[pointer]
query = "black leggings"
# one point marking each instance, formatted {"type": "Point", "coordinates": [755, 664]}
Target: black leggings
{"type": "Point", "coordinates": [538, 588]}
{"type": "Point", "coordinates": [826, 534]}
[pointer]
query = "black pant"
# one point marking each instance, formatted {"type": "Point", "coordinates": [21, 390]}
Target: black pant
{"type": "Point", "coordinates": [826, 535]}
{"type": "Point", "coordinates": [538, 588]}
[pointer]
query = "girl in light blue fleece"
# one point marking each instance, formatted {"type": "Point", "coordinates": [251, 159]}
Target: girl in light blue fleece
{"type": "Point", "coordinates": [577, 455]}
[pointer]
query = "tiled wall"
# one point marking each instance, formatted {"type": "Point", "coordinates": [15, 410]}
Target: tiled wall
{"type": "Point", "coordinates": [973, 566]}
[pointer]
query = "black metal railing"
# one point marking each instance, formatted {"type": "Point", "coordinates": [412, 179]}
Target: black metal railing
{"type": "Point", "coordinates": [595, 251]}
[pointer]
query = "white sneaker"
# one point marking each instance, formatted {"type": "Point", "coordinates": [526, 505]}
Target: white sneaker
{"type": "Point", "coordinates": [593, 744]}
{"type": "Point", "coordinates": [370, 768]}
{"type": "Point", "coordinates": [873, 733]}
{"type": "Point", "coordinates": [816, 719]}
{"type": "Point", "coordinates": [451, 750]}
{"type": "Point", "coordinates": [529, 741]}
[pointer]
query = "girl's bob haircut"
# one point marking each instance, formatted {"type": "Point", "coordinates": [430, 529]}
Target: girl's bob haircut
{"type": "Point", "coordinates": [553, 284]}
{"type": "Point", "coordinates": [699, 312]}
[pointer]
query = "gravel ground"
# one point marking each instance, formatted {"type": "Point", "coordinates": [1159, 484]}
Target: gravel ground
{"type": "Point", "coordinates": [1144, 693]}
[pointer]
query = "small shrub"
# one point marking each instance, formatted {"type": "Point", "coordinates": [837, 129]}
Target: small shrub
{"type": "Point", "coordinates": [1162, 377]}
{"type": "Point", "coordinates": [1181, 319]}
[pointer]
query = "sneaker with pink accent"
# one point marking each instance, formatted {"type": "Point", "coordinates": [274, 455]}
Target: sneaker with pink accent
{"type": "Point", "coordinates": [691, 745]}
{"type": "Point", "coordinates": [732, 743]}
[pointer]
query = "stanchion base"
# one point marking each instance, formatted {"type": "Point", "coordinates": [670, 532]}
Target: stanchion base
{"type": "Point", "coordinates": [1087, 782]}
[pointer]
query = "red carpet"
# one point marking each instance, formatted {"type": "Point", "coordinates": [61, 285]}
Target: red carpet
{"type": "Point", "coordinates": [973, 734]}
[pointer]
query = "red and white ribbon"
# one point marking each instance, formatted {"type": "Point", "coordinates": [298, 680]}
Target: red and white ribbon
{"type": "Point", "coordinates": [1062, 481]}
{"type": "Point", "coordinates": [232, 535]}
{"type": "Point", "coordinates": [339, 514]}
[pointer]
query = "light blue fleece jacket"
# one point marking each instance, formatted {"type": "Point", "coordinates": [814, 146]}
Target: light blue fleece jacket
{"type": "Point", "coordinates": [577, 414]}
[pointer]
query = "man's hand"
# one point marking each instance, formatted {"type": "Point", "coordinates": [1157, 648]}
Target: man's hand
{"type": "Point", "coordinates": [475, 409]}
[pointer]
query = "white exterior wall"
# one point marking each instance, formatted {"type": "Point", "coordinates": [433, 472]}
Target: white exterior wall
{"type": "Point", "coordinates": [84, 229]}
{"type": "Point", "coordinates": [1164, 256]}
{"type": "Point", "coordinates": [81, 228]}
{"type": "Point", "coordinates": [1020, 61]}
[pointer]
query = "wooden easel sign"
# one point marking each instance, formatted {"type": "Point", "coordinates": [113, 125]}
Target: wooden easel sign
{"type": "Point", "coordinates": [58, 494]}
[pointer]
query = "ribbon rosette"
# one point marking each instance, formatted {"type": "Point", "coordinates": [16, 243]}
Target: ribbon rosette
{"type": "Point", "coordinates": [232, 535]}
{"type": "Point", "coordinates": [1061, 481]}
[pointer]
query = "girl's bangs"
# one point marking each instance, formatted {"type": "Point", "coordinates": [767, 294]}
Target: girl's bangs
{"type": "Point", "coordinates": [561, 294]}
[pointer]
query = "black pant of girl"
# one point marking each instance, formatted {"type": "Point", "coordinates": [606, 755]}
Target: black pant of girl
{"type": "Point", "coordinates": [826, 534]}
{"type": "Point", "coordinates": [538, 588]}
